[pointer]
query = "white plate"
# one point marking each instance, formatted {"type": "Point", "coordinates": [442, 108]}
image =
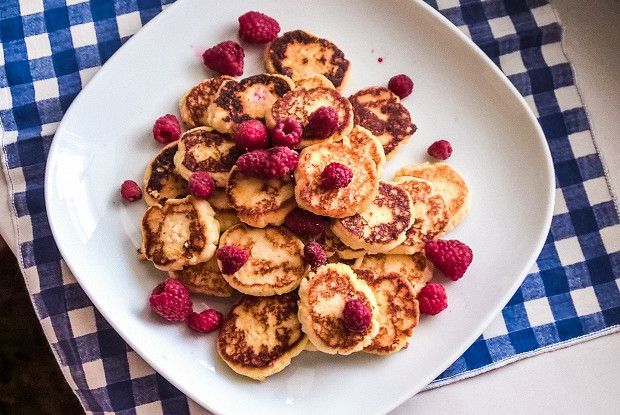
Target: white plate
{"type": "Point", "coordinates": [459, 95]}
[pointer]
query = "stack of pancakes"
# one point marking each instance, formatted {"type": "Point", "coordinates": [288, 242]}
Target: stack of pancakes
{"type": "Point", "coordinates": [376, 229]}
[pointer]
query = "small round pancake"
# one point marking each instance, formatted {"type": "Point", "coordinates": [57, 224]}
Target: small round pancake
{"type": "Point", "coordinates": [322, 297]}
{"type": "Point", "coordinates": [161, 180]}
{"type": "Point", "coordinates": [363, 140]}
{"type": "Point", "coordinates": [382, 225]}
{"type": "Point", "coordinates": [431, 214]}
{"type": "Point", "coordinates": [341, 202]}
{"type": "Point", "coordinates": [260, 202]}
{"type": "Point", "coordinates": [204, 149]}
{"type": "Point", "coordinates": [260, 335]}
{"type": "Point", "coordinates": [449, 183]}
{"type": "Point", "coordinates": [379, 111]}
{"type": "Point", "coordinates": [314, 82]}
{"type": "Point", "coordinates": [276, 264]}
{"type": "Point", "coordinates": [224, 213]}
{"type": "Point", "coordinates": [181, 232]}
{"type": "Point", "coordinates": [194, 103]}
{"type": "Point", "coordinates": [414, 267]}
{"type": "Point", "coordinates": [301, 102]}
{"type": "Point", "coordinates": [398, 311]}
{"type": "Point", "coordinates": [250, 98]}
{"type": "Point", "coordinates": [299, 54]}
{"type": "Point", "coordinates": [204, 278]}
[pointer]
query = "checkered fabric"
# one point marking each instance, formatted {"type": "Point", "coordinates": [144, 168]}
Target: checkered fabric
{"type": "Point", "coordinates": [51, 48]}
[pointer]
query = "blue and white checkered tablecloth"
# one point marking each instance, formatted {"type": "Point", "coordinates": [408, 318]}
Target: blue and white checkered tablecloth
{"type": "Point", "coordinates": [51, 48]}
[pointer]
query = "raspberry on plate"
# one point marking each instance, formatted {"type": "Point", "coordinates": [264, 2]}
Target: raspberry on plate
{"type": "Point", "coordinates": [206, 321]}
{"type": "Point", "coordinates": [441, 149]}
{"type": "Point", "coordinates": [401, 85]}
{"type": "Point", "coordinates": [170, 299]}
{"type": "Point", "coordinates": [336, 175]}
{"type": "Point", "coordinates": [268, 164]}
{"type": "Point", "coordinates": [451, 257]}
{"type": "Point", "coordinates": [225, 58]}
{"type": "Point", "coordinates": [130, 191]}
{"type": "Point", "coordinates": [305, 224]}
{"type": "Point", "coordinates": [432, 299]}
{"type": "Point", "coordinates": [201, 184]}
{"type": "Point", "coordinates": [256, 27]}
{"type": "Point", "coordinates": [356, 317]}
{"type": "Point", "coordinates": [231, 258]}
{"type": "Point", "coordinates": [287, 133]}
{"type": "Point", "coordinates": [252, 135]}
{"type": "Point", "coordinates": [166, 129]}
{"type": "Point", "coordinates": [314, 254]}
{"type": "Point", "coordinates": [322, 123]}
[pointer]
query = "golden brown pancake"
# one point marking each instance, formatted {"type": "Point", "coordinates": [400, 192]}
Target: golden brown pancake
{"type": "Point", "coordinates": [379, 111]}
{"type": "Point", "coordinates": [382, 225]}
{"type": "Point", "coordinates": [260, 335]}
{"type": "Point", "coordinates": [194, 103]}
{"type": "Point", "coordinates": [363, 140]}
{"type": "Point", "coordinates": [204, 278]}
{"type": "Point", "coordinates": [276, 264]}
{"type": "Point", "coordinates": [397, 310]}
{"type": "Point", "coordinates": [204, 149]}
{"type": "Point", "coordinates": [299, 54]}
{"type": "Point", "coordinates": [415, 268]}
{"type": "Point", "coordinates": [161, 180]}
{"type": "Point", "coordinates": [341, 202]}
{"type": "Point", "coordinates": [181, 232]}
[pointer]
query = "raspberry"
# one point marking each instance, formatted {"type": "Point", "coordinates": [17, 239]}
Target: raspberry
{"type": "Point", "coordinates": [401, 85]}
{"type": "Point", "coordinates": [225, 58]}
{"type": "Point", "coordinates": [281, 161]}
{"type": "Point", "coordinates": [451, 257]}
{"type": "Point", "coordinates": [314, 254]}
{"type": "Point", "coordinates": [287, 133]}
{"type": "Point", "coordinates": [322, 123]}
{"type": "Point", "coordinates": [356, 316]}
{"type": "Point", "coordinates": [440, 149]}
{"type": "Point", "coordinates": [268, 164]}
{"type": "Point", "coordinates": [304, 224]}
{"type": "Point", "coordinates": [130, 191]}
{"type": "Point", "coordinates": [255, 27]}
{"type": "Point", "coordinates": [253, 163]}
{"type": "Point", "coordinates": [201, 184]}
{"type": "Point", "coordinates": [252, 135]}
{"type": "Point", "coordinates": [336, 175]}
{"type": "Point", "coordinates": [231, 258]}
{"type": "Point", "coordinates": [205, 322]}
{"type": "Point", "coordinates": [170, 299]}
{"type": "Point", "coordinates": [166, 129]}
{"type": "Point", "coordinates": [432, 299]}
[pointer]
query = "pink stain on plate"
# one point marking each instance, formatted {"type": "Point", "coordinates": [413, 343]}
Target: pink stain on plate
{"type": "Point", "coordinates": [198, 50]}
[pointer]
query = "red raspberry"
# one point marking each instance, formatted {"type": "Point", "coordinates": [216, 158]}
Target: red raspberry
{"type": "Point", "coordinates": [252, 135]}
{"type": "Point", "coordinates": [205, 322]}
{"type": "Point", "coordinates": [253, 163]}
{"type": "Point", "coordinates": [166, 129]}
{"type": "Point", "coordinates": [225, 58]}
{"type": "Point", "coordinates": [401, 85]}
{"type": "Point", "coordinates": [432, 298]}
{"type": "Point", "coordinates": [336, 175]}
{"type": "Point", "coordinates": [304, 224]}
{"type": "Point", "coordinates": [287, 133]}
{"type": "Point", "coordinates": [451, 257]}
{"type": "Point", "coordinates": [440, 149]}
{"type": "Point", "coordinates": [201, 184]}
{"type": "Point", "coordinates": [130, 191]}
{"type": "Point", "coordinates": [314, 254]}
{"type": "Point", "coordinates": [356, 317]}
{"type": "Point", "coordinates": [322, 123]}
{"type": "Point", "coordinates": [255, 27]}
{"type": "Point", "coordinates": [170, 299]}
{"type": "Point", "coordinates": [231, 258]}
{"type": "Point", "coordinates": [281, 161]}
